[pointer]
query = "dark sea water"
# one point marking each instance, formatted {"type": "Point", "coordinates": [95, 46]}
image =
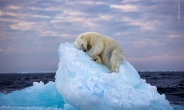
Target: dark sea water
{"type": "Point", "coordinates": [169, 83]}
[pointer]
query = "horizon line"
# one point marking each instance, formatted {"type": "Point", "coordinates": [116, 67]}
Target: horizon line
{"type": "Point", "coordinates": [29, 72]}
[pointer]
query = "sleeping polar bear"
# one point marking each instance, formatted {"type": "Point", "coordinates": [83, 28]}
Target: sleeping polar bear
{"type": "Point", "coordinates": [102, 49]}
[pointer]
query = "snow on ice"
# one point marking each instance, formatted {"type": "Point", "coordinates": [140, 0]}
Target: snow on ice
{"type": "Point", "coordinates": [88, 85]}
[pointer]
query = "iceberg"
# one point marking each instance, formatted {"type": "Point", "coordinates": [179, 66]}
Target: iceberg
{"type": "Point", "coordinates": [36, 97]}
{"type": "Point", "coordinates": [88, 85]}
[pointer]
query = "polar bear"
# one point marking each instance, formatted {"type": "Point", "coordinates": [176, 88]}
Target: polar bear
{"type": "Point", "coordinates": [102, 49]}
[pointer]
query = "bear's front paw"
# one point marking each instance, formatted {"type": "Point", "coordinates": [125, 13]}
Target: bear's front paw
{"type": "Point", "coordinates": [114, 70]}
{"type": "Point", "coordinates": [96, 59]}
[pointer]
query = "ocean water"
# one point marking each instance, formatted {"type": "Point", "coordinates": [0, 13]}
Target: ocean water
{"type": "Point", "coordinates": [169, 83]}
{"type": "Point", "coordinates": [10, 82]}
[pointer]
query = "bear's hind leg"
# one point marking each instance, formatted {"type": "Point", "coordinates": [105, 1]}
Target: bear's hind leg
{"type": "Point", "coordinates": [114, 64]}
{"type": "Point", "coordinates": [114, 68]}
{"type": "Point", "coordinates": [115, 61]}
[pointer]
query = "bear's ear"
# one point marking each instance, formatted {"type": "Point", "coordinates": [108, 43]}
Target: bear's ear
{"type": "Point", "coordinates": [82, 36]}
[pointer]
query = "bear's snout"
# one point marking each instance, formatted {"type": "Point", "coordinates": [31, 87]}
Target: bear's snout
{"type": "Point", "coordinates": [83, 48]}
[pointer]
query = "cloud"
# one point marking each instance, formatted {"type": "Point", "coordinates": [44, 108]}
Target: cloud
{"type": "Point", "coordinates": [156, 58]}
{"type": "Point", "coordinates": [143, 24]}
{"type": "Point", "coordinates": [174, 36]}
{"type": "Point", "coordinates": [54, 33]}
{"type": "Point", "coordinates": [105, 17]}
{"type": "Point", "coordinates": [125, 8]}
{"type": "Point", "coordinates": [1, 50]}
{"type": "Point", "coordinates": [23, 26]}
{"type": "Point", "coordinates": [90, 2]}
{"type": "Point", "coordinates": [13, 7]}
{"type": "Point", "coordinates": [9, 14]}
{"type": "Point", "coordinates": [128, 1]}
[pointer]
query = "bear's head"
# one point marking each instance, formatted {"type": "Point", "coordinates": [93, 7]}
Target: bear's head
{"type": "Point", "coordinates": [81, 43]}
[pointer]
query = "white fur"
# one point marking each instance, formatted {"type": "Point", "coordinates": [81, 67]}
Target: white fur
{"type": "Point", "coordinates": [102, 49]}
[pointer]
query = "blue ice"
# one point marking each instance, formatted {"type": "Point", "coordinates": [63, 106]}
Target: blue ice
{"type": "Point", "coordinates": [88, 85]}
{"type": "Point", "coordinates": [84, 84]}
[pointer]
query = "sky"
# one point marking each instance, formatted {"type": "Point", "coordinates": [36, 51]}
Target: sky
{"type": "Point", "coordinates": [151, 33]}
